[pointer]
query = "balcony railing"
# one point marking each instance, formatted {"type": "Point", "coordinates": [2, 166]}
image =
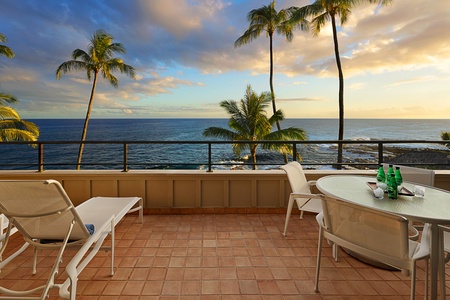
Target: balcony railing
{"type": "Point", "coordinates": [46, 154]}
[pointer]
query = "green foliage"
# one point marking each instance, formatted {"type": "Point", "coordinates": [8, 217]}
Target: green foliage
{"type": "Point", "coordinates": [445, 136]}
{"type": "Point", "coordinates": [4, 50]}
{"type": "Point", "coordinates": [13, 128]}
{"type": "Point", "coordinates": [98, 59]}
{"type": "Point", "coordinates": [266, 19]}
{"type": "Point", "coordinates": [249, 122]}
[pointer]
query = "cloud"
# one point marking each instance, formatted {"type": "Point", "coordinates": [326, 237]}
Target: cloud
{"type": "Point", "coordinates": [180, 17]}
{"type": "Point", "coordinates": [357, 86]}
{"type": "Point", "coordinates": [413, 81]}
{"type": "Point", "coordinates": [299, 99]}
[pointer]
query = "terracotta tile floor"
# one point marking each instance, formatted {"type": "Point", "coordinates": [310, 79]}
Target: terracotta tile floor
{"type": "Point", "coordinates": [222, 256]}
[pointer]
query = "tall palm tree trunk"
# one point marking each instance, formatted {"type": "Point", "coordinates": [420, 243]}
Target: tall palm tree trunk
{"type": "Point", "coordinates": [86, 121]}
{"type": "Point", "coordinates": [272, 92]}
{"type": "Point", "coordinates": [341, 92]}
{"type": "Point", "coordinates": [253, 155]}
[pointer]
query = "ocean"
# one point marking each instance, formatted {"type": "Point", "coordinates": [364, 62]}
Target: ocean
{"type": "Point", "coordinates": [177, 156]}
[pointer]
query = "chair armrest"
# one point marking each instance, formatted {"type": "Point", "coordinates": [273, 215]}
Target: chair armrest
{"type": "Point", "coordinates": [424, 249]}
{"type": "Point", "coordinates": [444, 228]}
{"type": "Point", "coordinates": [306, 195]}
{"type": "Point", "coordinates": [311, 182]}
{"type": "Point", "coordinates": [319, 218]}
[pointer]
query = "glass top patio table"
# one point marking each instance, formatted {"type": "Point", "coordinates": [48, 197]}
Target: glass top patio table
{"type": "Point", "coordinates": [433, 208]}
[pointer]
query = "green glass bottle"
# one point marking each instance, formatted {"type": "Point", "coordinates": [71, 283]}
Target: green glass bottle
{"type": "Point", "coordinates": [392, 187]}
{"type": "Point", "coordinates": [398, 176]}
{"type": "Point", "coordinates": [389, 172]}
{"type": "Point", "coordinates": [381, 176]}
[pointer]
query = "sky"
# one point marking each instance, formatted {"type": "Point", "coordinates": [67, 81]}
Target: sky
{"type": "Point", "coordinates": [396, 59]}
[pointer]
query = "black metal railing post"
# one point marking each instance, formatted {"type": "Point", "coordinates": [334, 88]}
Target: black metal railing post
{"type": "Point", "coordinates": [380, 153]}
{"type": "Point", "coordinates": [294, 151]}
{"type": "Point", "coordinates": [40, 157]}
{"type": "Point", "coordinates": [209, 157]}
{"type": "Point", "coordinates": [125, 157]}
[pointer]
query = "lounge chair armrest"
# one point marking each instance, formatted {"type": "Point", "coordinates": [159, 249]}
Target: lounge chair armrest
{"type": "Point", "coordinates": [306, 195]}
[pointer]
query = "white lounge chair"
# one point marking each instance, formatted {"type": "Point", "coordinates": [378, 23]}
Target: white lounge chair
{"type": "Point", "coordinates": [301, 192]}
{"type": "Point", "coordinates": [4, 222]}
{"type": "Point", "coordinates": [374, 234]}
{"type": "Point", "coordinates": [43, 213]}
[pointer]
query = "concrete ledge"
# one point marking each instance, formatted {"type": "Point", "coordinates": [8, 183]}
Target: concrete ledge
{"type": "Point", "coordinates": [190, 191]}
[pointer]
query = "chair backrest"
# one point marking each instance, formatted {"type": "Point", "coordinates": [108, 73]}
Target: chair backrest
{"type": "Point", "coordinates": [416, 175]}
{"type": "Point", "coordinates": [297, 178]}
{"type": "Point", "coordinates": [366, 230]}
{"type": "Point", "coordinates": [40, 209]}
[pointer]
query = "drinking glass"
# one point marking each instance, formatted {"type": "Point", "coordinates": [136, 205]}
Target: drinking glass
{"type": "Point", "coordinates": [419, 191]}
{"type": "Point", "coordinates": [378, 193]}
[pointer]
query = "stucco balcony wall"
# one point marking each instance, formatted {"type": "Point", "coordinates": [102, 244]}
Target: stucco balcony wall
{"type": "Point", "coordinates": [193, 191]}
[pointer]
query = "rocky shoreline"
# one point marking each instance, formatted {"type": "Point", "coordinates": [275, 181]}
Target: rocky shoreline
{"type": "Point", "coordinates": [427, 156]}
{"type": "Point", "coordinates": [437, 159]}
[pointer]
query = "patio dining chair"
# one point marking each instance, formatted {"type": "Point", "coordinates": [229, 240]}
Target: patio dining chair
{"type": "Point", "coordinates": [45, 216]}
{"type": "Point", "coordinates": [416, 175]}
{"type": "Point", "coordinates": [419, 176]}
{"type": "Point", "coordinates": [301, 192]}
{"type": "Point", "coordinates": [444, 238]}
{"type": "Point", "coordinates": [375, 234]}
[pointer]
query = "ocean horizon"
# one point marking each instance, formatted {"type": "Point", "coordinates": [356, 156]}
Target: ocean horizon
{"type": "Point", "coordinates": [191, 129]}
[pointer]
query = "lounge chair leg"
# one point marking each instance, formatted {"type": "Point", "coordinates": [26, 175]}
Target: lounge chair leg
{"type": "Point", "coordinates": [335, 251]}
{"type": "Point", "coordinates": [301, 214]}
{"type": "Point", "coordinates": [73, 288]}
{"type": "Point", "coordinates": [34, 260]}
{"type": "Point", "coordinates": [112, 246]}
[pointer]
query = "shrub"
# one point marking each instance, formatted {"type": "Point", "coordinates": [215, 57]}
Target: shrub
{"type": "Point", "coordinates": [445, 136]}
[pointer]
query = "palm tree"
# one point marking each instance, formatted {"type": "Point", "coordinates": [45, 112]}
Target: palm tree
{"type": "Point", "coordinates": [248, 122]}
{"type": "Point", "coordinates": [98, 59]}
{"type": "Point", "coordinates": [267, 19]}
{"type": "Point", "coordinates": [322, 11]}
{"type": "Point", "coordinates": [12, 127]}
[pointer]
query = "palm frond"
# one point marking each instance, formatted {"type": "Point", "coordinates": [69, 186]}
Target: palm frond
{"type": "Point", "coordinates": [5, 50]}
{"type": "Point", "coordinates": [12, 128]}
{"type": "Point", "coordinates": [7, 112]}
{"type": "Point", "coordinates": [7, 98]}
{"type": "Point", "coordinates": [17, 135]}
{"type": "Point", "coordinates": [71, 65]}
{"type": "Point", "coordinates": [221, 133]}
